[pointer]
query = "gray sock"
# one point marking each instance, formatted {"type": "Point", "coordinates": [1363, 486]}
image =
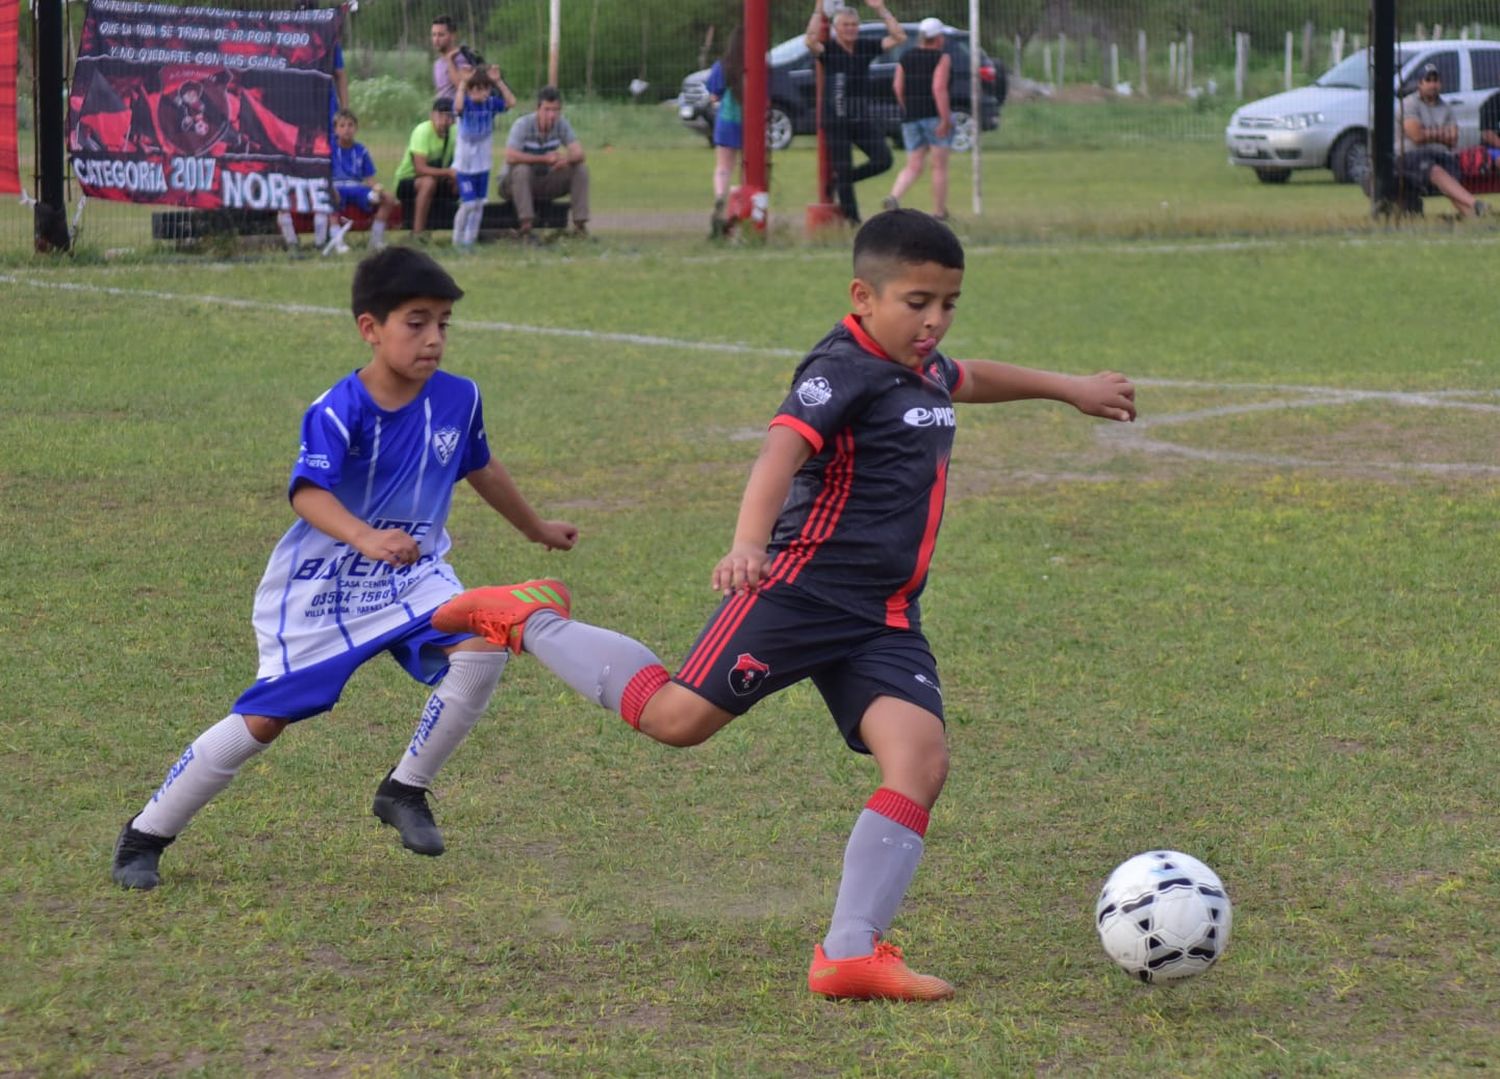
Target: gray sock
{"type": "Point", "coordinates": [205, 768]}
{"type": "Point", "coordinates": [598, 663]}
{"type": "Point", "coordinates": [878, 866]}
{"type": "Point", "coordinates": [452, 710]}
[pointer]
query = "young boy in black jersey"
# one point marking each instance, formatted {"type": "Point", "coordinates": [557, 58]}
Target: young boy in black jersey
{"type": "Point", "coordinates": [836, 529]}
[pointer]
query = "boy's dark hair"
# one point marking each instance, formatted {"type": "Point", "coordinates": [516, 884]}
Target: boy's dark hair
{"type": "Point", "coordinates": [548, 93]}
{"type": "Point", "coordinates": [396, 275]}
{"type": "Point", "coordinates": [480, 80]}
{"type": "Point", "coordinates": [445, 20]}
{"type": "Point", "coordinates": [904, 237]}
{"type": "Point", "coordinates": [347, 114]}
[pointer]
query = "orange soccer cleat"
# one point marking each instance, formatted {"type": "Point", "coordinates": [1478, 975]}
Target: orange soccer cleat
{"type": "Point", "coordinates": [881, 975]}
{"type": "Point", "coordinates": [498, 614]}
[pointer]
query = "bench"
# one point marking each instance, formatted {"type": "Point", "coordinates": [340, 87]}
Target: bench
{"type": "Point", "coordinates": [184, 227]}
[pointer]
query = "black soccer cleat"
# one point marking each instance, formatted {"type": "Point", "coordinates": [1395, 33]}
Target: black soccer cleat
{"type": "Point", "coordinates": [404, 808]}
{"type": "Point", "coordinates": [136, 856]}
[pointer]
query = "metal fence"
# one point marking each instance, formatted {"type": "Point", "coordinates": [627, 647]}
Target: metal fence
{"type": "Point", "coordinates": [1111, 85]}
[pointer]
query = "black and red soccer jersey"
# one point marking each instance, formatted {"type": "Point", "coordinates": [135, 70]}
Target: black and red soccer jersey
{"type": "Point", "coordinates": [861, 521]}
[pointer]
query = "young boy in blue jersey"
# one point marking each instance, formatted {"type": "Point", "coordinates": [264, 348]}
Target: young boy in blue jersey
{"type": "Point", "coordinates": [836, 530]}
{"type": "Point", "coordinates": [364, 566]}
{"type": "Point", "coordinates": [352, 168]}
{"type": "Point", "coordinates": [477, 103]}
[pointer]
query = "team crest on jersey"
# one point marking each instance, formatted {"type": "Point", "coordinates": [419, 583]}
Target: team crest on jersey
{"type": "Point", "coordinates": [814, 392]}
{"type": "Point", "coordinates": [747, 674]}
{"type": "Point", "coordinates": [444, 442]}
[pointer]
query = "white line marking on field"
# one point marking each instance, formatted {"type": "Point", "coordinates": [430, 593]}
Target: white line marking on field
{"type": "Point", "coordinates": [1130, 437]}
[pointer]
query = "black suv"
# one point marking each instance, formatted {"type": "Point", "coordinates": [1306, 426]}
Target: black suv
{"type": "Point", "coordinates": [793, 90]}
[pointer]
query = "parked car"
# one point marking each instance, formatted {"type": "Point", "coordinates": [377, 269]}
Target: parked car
{"type": "Point", "coordinates": [1326, 125]}
{"type": "Point", "coordinates": [793, 90]}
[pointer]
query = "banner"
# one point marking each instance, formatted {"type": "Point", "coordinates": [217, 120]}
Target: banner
{"type": "Point", "coordinates": [10, 37]}
{"type": "Point", "coordinates": [204, 107]}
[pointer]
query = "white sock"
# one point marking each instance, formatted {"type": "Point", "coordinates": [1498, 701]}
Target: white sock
{"type": "Point", "coordinates": [204, 769]}
{"type": "Point", "coordinates": [288, 230]}
{"type": "Point", "coordinates": [471, 226]}
{"type": "Point", "coordinates": [460, 224]}
{"type": "Point", "coordinates": [595, 662]}
{"type": "Point", "coordinates": [320, 229]}
{"type": "Point", "coordinates": [377, 234]}
{"type": "Point", "coordinates": [451, 712]}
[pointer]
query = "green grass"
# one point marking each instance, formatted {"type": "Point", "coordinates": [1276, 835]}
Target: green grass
{"type": "Point", "coordinates": [1287, 671]}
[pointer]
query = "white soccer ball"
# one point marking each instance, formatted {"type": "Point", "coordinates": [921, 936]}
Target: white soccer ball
{"type": "Point", "coordinates": [1163, 915]}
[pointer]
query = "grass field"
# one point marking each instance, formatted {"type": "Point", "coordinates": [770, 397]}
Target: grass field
{"type": "Point", "coordinates": [1256, 626]}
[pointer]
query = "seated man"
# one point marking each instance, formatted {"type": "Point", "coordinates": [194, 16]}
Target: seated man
{"type": "Point", "coordinates": [1489, 126]}
{"type": "Point", "coordinates": [543, 160]}
{"type": "Point", "coordinates": [426, 169]}
{"type": "Point", "coordinates": [1428, 134]}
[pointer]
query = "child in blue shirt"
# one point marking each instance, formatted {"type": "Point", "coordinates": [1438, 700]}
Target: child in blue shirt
{"type": "Point", "coordinates": [365, 564]}
{"type": "Point", "coordinates": [477, 103]}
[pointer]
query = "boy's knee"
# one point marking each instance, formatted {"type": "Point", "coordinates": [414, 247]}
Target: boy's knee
{"type": "Point", "coordinates": [680, 718]}
{"type": "Point", "coordinates": [264, 729]}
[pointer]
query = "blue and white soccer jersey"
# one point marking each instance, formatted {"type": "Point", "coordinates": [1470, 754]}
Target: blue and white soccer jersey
{"type": "Point", "coordinates": [323, 608]}
{"type": "Point", "coordinates": [352, 166]}
{"type": "Point", "coordinates": [475, 147]}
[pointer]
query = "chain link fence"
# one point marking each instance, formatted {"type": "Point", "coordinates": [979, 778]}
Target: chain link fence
{"type": "Point", "coordinates": [1094, 103]}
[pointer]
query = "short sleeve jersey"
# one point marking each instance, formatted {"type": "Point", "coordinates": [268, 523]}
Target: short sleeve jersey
{"type": "Point", "coordinates": [435, 150]}
{"type": "Point", "coordinates": [320, 597]}
{"type": "Point", "coordinates": [353, 165]}
{"type": "Point", "coordinates": [476, 134]}
{"type": "Point", "coordinates": [861, 520]}
{"type": "Point", "coordinates": [846, 75]}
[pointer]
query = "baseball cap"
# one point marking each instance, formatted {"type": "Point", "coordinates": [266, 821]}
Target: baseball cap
{"type": "Point", "coordinates": [930, 27]}
{"type": "Point", "coordinates": [442, 104]}
{"type": "Point", "coordinates": [1430, 71]}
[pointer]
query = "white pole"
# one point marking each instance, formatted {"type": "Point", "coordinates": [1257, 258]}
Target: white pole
{"type": "Point", "coordinates": [1114, 64]}
{"type": "Point", "coordinates": [1047, 62]}
{"type": "Point", "coordinates": [1172, 64]}
{"type": "Point", "coordinates": [1062, 58]}
{"type": "Point", "coordinates": [976, 104]}
{"type": "Point", "coordinates": [1187, 66]}
{"type": "Point", "coordinates": [1241, 61]}
{"type": "Point", "coordinates": [1287, 79]}
{"type": "Point", "coordinates": [554, 39]}
{"type": "Point", "coordinates": [1140, 48]}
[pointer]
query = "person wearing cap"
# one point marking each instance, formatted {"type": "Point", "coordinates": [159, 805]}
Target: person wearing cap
{"type": "Point", "coordinates": [1429, 131]}
{"type": "Point", "coordinates": [427, 166]}
{"type": "Point", "coordinates": [846, 58]}
{"type": "Point", "coordinates": [921, 87]}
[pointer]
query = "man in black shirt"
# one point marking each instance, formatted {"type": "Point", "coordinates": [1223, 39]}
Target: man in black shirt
{"type": "Point", "coordinates": [846, 59]}
{"type": "Point", "coordinates": [921, 88]}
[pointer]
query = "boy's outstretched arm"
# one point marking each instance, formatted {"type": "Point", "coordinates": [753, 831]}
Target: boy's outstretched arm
{"type": "Point", "coordinates": [1108, 394]}
{"type": "Point", "coordinates": [497, 488]}
{"type": "Point", "coordinates": [322, 509]}
{"type": "Point", "coordinates": [781, 454]}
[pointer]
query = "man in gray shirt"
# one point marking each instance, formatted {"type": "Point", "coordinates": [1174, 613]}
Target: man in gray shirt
{"type": "Point", "coordinates": [544, 160]}
{"type": "Point", "coordinates": [1429, 132]}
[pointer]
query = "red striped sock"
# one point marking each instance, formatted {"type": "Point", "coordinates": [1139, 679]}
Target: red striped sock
{"type": "Point", "coordinates": [640, 689]}
{"type": "Point", "coordinates": [899, 808]}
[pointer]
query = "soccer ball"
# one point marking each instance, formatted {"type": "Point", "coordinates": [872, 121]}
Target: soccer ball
{"type": "Point", "coordinates": [1163, 915]}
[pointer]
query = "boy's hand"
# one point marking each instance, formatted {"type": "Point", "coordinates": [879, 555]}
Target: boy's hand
{"type": "Point", "coordinates": [1108, 394]}
{"type": "Point", "coordinates": [741, 570]}
{"type": "Point", "coordinates": [389, 545]}
{"type": "Point", "coordinates": [556, 536]}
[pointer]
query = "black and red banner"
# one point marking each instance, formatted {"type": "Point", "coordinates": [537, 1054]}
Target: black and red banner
{"type": "Point", "coordinates": [205, 107]}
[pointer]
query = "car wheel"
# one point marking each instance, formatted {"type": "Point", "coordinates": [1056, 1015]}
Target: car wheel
{"type": "Point", "coordinates": [1273, 176]}
{"type": "Point", "coordinates": [1350, 157]}
{"type": "Point", "coordinates": [963, 131]}
{"type": "Point", "coordinates": [778, 129]}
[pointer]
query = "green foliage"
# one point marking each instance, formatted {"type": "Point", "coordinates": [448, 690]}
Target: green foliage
{"type": "Point", "coordinates": [388, 101]}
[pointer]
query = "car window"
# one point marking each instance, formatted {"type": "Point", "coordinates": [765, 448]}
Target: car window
{"type": "Point", "coordinates": [1447, 65]}
{"type": "Point", "coordinates": [1353, 73]}
{"type": "Point", "coordinates": [1486, 63]}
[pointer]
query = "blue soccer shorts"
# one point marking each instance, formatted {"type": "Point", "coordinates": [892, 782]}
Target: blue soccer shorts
{"type": "Point", "coordinates": [311, 690]}
{"type": "Point", "coordinates": [473, 186]}
{"type": "Point", "coordinates": [760, 642]}
{"type": "Point", "coordinates": [358, 195]}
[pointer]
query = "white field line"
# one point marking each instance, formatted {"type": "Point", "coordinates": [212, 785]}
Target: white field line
{"type": "Point", "coordinates": [1131, 437]}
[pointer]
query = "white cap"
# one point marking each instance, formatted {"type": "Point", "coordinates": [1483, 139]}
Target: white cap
{"type": "Point", "coordinates": [930, 27]}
